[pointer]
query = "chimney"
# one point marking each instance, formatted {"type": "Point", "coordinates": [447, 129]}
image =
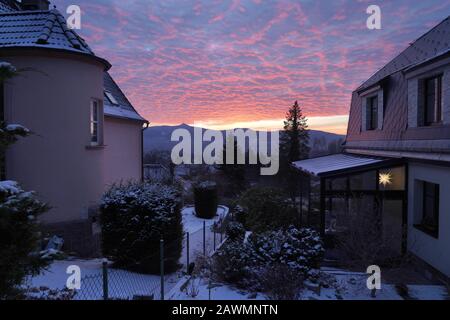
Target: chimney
{"type": "Point", "coordinates": [35, 4]}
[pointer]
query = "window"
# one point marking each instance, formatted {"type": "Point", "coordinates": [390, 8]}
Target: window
{"type": "Point", "coordinates": [95, 123]}
{"type": "Point", "coordinates": [429, 209]}
{"type": "Point", "coordinates": [432, 101]}
{"type": "Point", "coordinates": [372, 113]}
{"type": "Point", "coordinates": [2, 119]}
{"type": "Point", "coordinates": [111, 98]}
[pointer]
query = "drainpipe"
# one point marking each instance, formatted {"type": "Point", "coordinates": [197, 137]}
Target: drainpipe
{"type": "Point", "coordinates": [145, 127]}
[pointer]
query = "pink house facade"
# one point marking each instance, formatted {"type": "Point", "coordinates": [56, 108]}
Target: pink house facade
{"type": "Point", "coordinates": [86, 134]}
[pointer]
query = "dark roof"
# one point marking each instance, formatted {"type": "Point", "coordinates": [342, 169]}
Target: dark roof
{"type": "Point", "coordinates": [124, 109]}
{"type": "Point", "coordinates": [8, 6]}
{"type": "Point", "coordinates": [46, 29]}
{"type": "Point", "coordinates": [434, 43]}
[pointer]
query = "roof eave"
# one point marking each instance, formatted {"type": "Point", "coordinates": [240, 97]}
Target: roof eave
{"type": "Point", "coordinates": [105, 62]}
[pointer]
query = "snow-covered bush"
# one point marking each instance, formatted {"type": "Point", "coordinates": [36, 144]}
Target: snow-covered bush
{"type": "Point", "coordinates": [248, 263]}
{"type": "Point", "coordinates": [45, 293]}
{"type": "Point", "coordinates": [19, 237]}
{"type": "Point", "coordinates": [239, 214]}
{"type": "Point", "coordinates": [236, 263]}
{"type": "Point", "coordinates": [134, 218]}
{"type": "Point", "coordinates": [267, 209]}
{"type": "Point", "coordinates": [299, 249]}
{"type": "Point", "coordinates": [7, 70]}
{"type": "Point", "coordinates": [235, 230]}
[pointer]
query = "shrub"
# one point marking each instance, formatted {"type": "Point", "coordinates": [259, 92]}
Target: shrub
{"type": "Point", "coordinates": [235, 231]}
{"type": "Point", "coordinates": [134, 218]}
{"type": "Point", "coordinates": [299, 249]}
{"type": "Point", "coordinates": [235, 263]}
{"type": "Point", "coordinates": [239, 214]}
{"type": "Point", "coordinates": [19, 237]}
{"type": "Point", "coordinates": [280, 282]}
{"type": "Point", "coordinates": [293, 254]}
{"type": "Point", "coordinates": [206, 199]}
{"type": "Point", "coordinates": [267, 209]}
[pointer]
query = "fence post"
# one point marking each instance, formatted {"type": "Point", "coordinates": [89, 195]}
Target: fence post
{"type": "Point", "coordinates": [187, 251]}
{"type": "Point", "coordinates": [161, 252]}
{"type": "Point", "coordinates": [204, 238]}
{"type": "Point", "coordinates": [214, 237]}
{"type": "Point", "coordinates": [105, 279]}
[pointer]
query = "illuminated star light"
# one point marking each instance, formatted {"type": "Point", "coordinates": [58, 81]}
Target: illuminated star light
{"type": "Point", "coordinates": [385, 179]}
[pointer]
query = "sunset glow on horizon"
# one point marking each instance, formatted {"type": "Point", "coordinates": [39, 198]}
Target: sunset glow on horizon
{"type": "Point", "coordinates": [243, 63]}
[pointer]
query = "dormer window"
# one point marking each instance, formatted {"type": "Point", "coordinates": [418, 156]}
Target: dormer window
{"type": "Point", "coordinates": [372, 113]}
{"type": "Point", "coordinates": [432, 106]}
{"type": "Point", "coordinates": [372, 109]}
{"type": "Point", "coordinates": [112, 100]}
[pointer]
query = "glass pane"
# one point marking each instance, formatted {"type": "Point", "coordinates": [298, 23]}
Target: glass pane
{"type": "Point", "coordinates": [338, 184]}
{"type": "Point", "coordinates": [363, 181]}
{"type": "Point", "coordinates": [94, 115]}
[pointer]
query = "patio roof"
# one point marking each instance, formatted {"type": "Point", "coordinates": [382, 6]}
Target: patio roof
{"type": "Point", "coordinates": [341, 164]}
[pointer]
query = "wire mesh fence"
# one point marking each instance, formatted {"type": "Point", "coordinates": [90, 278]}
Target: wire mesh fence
{"type": "Point", "coordinates": [111, 283]}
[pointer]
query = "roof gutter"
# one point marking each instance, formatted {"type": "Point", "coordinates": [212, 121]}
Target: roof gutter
{"type": "Point", "coordinates": [145, 127]}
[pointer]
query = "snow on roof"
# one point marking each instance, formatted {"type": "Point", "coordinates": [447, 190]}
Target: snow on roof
{"type": "Point", "coordinates": [336, 162]}
{"type": "Point", "coordinates": [48, 29]}
{"type": "Point", "coordinates": [8, 6]}
{"type": "Point", "coordinates": [44, 29]}
{"type": "Point", "coordinates": [119, 112]}
{"type": "Point", "coordinates": [123, 108]}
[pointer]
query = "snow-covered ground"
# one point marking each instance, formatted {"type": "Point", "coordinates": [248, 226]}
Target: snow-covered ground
{"type": "Point", "coordinates": [200, 289]}
{"type": "Point", "coordinates": [193, 224]}
{"type": "Point", "coordinates": [125, 284]}
{"type": "Point", "coordinates": [122, 284]}
{"type": "Point", "coordinates": [343, 285]}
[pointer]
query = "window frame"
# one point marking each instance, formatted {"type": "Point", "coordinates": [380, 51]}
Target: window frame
{"type": "Point", "coordinates": [2, 119]}
{"type": "Point", "coordinates": [437, 108]}
{"type": "Point", "coordinates": [423, 225]}
{"type": "Point", "coordinates": [111, 98]}
{"type": "Point", "coordinates": [95, 123]}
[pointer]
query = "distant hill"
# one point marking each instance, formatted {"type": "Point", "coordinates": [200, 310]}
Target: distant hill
{"type": "Point", "coordinates": [158, 138]}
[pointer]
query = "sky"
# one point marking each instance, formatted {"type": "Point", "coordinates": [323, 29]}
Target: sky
{"type": "Point", "coordinates": [243, 63]}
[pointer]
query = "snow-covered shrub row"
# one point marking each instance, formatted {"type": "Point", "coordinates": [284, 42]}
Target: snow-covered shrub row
{"type": "Point", "coordinates": [300, 249]}
{"type": "Point", "coordinates": [19, 237]}
{"type": "Point", "coordinates": [134, 218]}
{"type": "Point", "coordinates": [244, 263]}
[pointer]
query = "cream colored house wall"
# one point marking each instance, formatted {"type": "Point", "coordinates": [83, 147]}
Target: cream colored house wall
{"type": "Point", "coordinates": [123, 140]}
{"type": "Point", "coordinates": [53, 101]}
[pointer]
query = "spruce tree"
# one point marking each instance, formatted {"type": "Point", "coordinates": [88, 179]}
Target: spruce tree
{"type": "Point", "coordinates": [294, 146]}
